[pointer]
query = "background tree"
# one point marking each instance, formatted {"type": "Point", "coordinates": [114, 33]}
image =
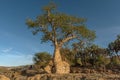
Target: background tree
{"type": "Point", "coordinates": [42, 58]}
{"type": "Point", "coordinates": [114, 49]}
{"type": "Point", "coordinates": [82, 51]}
{"type": "Point", "coordinates": [91, 55]}
{"type": "Point", "coordinates": [59, 28]}
{"type": "Point", "coordinates": [117, 46]}
{"type": "Point", "coordinates": [98, 56]}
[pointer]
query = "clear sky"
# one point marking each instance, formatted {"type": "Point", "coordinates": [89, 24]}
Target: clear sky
{"type": "Point", "coordinates": [17, 44]}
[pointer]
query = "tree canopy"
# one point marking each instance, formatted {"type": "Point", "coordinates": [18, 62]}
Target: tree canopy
{"type": "Point", "coordinates": [59, 27]}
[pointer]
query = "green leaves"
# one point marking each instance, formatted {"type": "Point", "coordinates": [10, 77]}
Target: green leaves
{"type": "Point", "coordinates": [85, 33]}
{"type": "Point", "coordinates": [59, 27]}
{"type": "Point", "coordinates": [115, 46]}
{"type": "Point", "coordinates": [50, 6]}
{"type": "Point", "coordinates": [30, 23]}
{"type": "Point", "coordinates": [42, 58]}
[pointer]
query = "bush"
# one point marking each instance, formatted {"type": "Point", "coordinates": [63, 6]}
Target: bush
{"type": "Point", "coordinates": [115, 61]}
{"type": "Point", "coordinates": [102, 60]}
{"type": "Point", "coordinates": [42, 58]}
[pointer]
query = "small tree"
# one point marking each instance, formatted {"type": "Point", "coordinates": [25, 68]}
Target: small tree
{"type": "Point", "coordinates": [114, 47]}
{"type": "Point", "coordinates": [59, 28]}
{"type": "Point", "coordinates": [115, 61]}
{"type": "Point", "coordinates": [102, 60]}
{"type": "Point", "coordinates": [97, 56]}
{"type": "Point", "coordinates": [42, 58]}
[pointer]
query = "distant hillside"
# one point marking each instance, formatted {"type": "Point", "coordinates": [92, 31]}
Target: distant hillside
{"type": "Point", "coordinates": [4, 69]}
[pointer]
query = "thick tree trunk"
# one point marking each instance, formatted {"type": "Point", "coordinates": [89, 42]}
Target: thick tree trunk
{"type": "Point", "coordinates": [57, 55]}
{"type": "Point", "coordinates": [61, 67]}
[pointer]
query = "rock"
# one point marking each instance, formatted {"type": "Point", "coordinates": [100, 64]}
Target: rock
{"type": "Point", "coordinates": [37, 77]}
{"type": "Point", "coordinates": [62, 67]}
{"type": "Point", "coordinates": [2, 77]}
{"type": "Point", "coordinates": [92, 71]}
{"type": "Point", "coordinates": [86, 71]}
{"type": "Point", "coordinates": [20, 78]}
{"type": "Point", "coordinates": [75, 70]}
{"type": "Point", "coordinates": [49, 67]}
{"type": "Point", "coordinates": [31, 72]}
{"type": "Point", "coordinates": [109, 72]}
{"type": "Point", "coordinates": [31, 78]}
{"type": "Point", "coordinates": [44, 77]}
{"type": "Point", "coordinates": [101, 79]}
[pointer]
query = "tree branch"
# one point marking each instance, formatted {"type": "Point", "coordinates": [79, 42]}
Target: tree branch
{"type": "Point", "coordinates": [66, 39]}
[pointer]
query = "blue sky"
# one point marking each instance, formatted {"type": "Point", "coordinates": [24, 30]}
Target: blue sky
{"type": "Point", "coordinates": [18, 45]}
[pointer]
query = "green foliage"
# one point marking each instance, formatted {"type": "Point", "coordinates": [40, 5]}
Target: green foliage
{"type": "Point", "coordinates": [68, 55]}
{"type": "Point", "coordinates": [91, 54]}
{"type": "Point", "coordinates": [114, 47]}
{"type": "Point", "coordinates": [99, 56]}
{"type": "Point", "coordinates": [79, 61]}
{"type": "Point", "coordinates": [102, 60]}
{"type": "Point", "coordinates": [55, 26]}
{"type": "Point", "coordinates": [115, 61]}
{"type": "Point", "coordinates": [42, 58]}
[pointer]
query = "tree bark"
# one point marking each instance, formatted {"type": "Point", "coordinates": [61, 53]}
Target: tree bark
{"type": "Point", "coordinates": [61, 67]}
{"type": "Point", "coordinates": [57, 55]}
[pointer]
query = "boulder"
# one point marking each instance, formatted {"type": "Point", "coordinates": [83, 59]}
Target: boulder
{"type": "Point", "coordinates": [62, 67]}
{"type": "Point", "coordinates": [49, 67]}
{"type": "Point", "coordinates": [2, 77]}
{"type": "Point", "coordinates": [101, 79]}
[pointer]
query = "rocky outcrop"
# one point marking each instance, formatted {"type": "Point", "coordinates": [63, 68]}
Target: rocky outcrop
{"type": "Point", "coordinates": [78, 76]}
{"type": "Point", "coordinates": [49, 67]}
{"type": "Point", "coordinates": [62, 67]}
{"type": "Point", "coordinates": [2, 77]}
{"type": "Point", "coordinates": [77, 73]}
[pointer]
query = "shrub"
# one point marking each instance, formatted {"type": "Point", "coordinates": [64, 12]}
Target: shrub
{"type": "Point", "coordinates": [42, 58]}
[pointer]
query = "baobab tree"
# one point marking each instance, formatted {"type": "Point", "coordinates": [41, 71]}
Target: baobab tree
{"type": "Point", "coordinates": [59, 28]}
